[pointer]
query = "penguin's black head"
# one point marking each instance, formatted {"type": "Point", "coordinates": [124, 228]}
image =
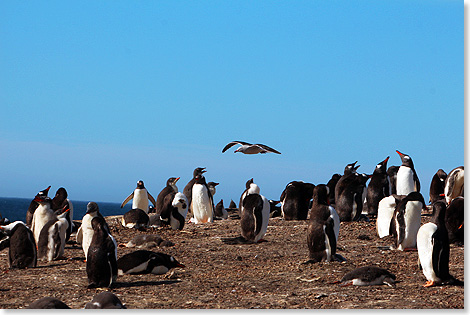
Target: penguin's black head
{"type": "Point", "coordinates": [200, 179]}
{"type": "Point", "coordinates": [199, 171]}
{"type": "Point", "coordinates": [43, 193]}
{"type": "Point", "coordinates": [172, 181]}
{"type": "Point", "coordinates": [416, 196]}
{"type": "Point", "coordinates": [61, 192]}
{"type": "Point", "coordinates": [382, 166]}
{"type": "Point", "coordinates": [140, 184]}
{"type": "Point", "coordinates": [98, 223]}
{"type": "Point", "coordinates": [248, 183]}
{"type": "Point", "coordinates": [442, 174]}
{"type": "Point", "coordinates": [92, 207]}
{"type": "Point", "coordinates": [320, 194]}
{"type": "Point", "coordinates": [439, 212]}
{"type": "Point", "coordinates": [212, 184]}
{"type": "Point", "coordinates": [405, 159]}
{"type": "Point", "coordinates": [174, 263]}
{"type": "Point", "coordinates": [351, 168]}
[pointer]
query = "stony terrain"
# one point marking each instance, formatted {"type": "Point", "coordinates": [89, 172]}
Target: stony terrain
{"type": "Point", "coordinates": [264, 275]}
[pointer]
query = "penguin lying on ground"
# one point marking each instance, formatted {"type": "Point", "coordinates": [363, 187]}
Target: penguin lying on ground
{"type": "Point", "coordinates": [434, 250]}
{"type": "Point", "coordinates": [369, 275]}
{"type": "Point", "coordinates": [22, 252]}
{"type": "Point", "coordinates": [140, 198]}
{"type": "Point", "coordinates": [48, 302]}
{"type": "Point", "coordinates": [105, 300]}
{"type": "Point", "coordinates": [147, 241]}
{"type": "Point", "coordinates": [135, 219]}
{"type": "Point", "coordinates": [144, 262]}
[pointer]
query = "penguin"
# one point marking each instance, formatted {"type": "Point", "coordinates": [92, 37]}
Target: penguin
{"type": "Point", "coordinates": [202, 204]}
{"type": "Point", "coordinates": [433, 249]}
{"type": "Point", "coordinates": [135, 219]}
{"type": "Point", "coordinates": [34, 204]}
{"type": "Point", "coordinates": [174, 210]}
{"type": "Point", "coordinates": [454, 184]}
{"type": "Point", "coordinates": [385, 212]}
{"type": "Point", "coordinates": [85, 232]}
{"type": "Point", "coordinates": [146, 262]}
{"type": "Point", "coordinates": [406, 221]}
{"type": "Point", "coordinates": [105, 300]}
{"type": "Point", "coordinates": [188, 189]}
{"type": "Point", "coordinates": [455, 220]}
{"type": "Point", "coordinates": [148, 241]}
{"type": "Point", "coordinates": [250, 187]}
{"type": "Point", "coordinates": [60, 202]}
{"type": "Point", "coordinates": [378, 188]}
{"type": "Point", "coordinates": [274, 209]}
{"type": "Point", "coordinates": [407, 179]}
{"type": "Point", "coordinates": [392, 177]}
{"type": "Point", "coordinates": [254, 214]}
{"type": "Point", "coordinates": [169, 188]}
{"type": "Point", "coordinates": [220, 211]}
{"type": "Point", "coordinates": [369, 275]}
{"type": "Point", "coordinates": [295, 199]}
{"type": "Point", "coordinates": [211, 186]}
{"type": "Point", "coordinates": [436, 190]}
{"type": "Point", "coordinates": [22, 252]}
{"type": "Point", "coordinates": [42, 215]}
{"type": "Point", "coordinates": [232, 205]}
{"type": "Point", "coordinates": [48, 302]}
{"type": "Point", "coordinates": [331, 187]}
{"type": "Point", "coordinates": [323, 228]}
{"type": "Point", "coordinates": [140, 198]}
{"type": "Point", "coordinates": [101, 263]}
{"type": "Point", "coordinates": [351, 168]}
{"type": "Point", "coordinates": [349, 194]}
{"type": "Point", "coordinates": [51, 242]}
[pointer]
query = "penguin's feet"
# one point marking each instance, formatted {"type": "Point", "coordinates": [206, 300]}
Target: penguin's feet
{"type": "Point", "coordinates": [122, 245]}
{"type": "Point", "coordinates": [429, 284]}
{"type": "Point", "coordinates": [262, 240]}
{"type": "Point", "coordinates": [410, 249]}
{"type": "Point", "coordinates": [346, 284]}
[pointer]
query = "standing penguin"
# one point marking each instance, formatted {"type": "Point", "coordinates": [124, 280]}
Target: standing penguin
{"type": "Point", "coordinates": [144, 262]}
{"type": "Point", "coordinates": [406, 221]}
{"type": "Point", "coordinates": [323, 227]}
{"type": "Point", "coordinates": [392, 176]}
{"type": "Point", "coordinates": [101, 264]}
{"type": "Point", "coordinates": [220, 211]}
{"type": "Point", "coordinates": [212, 189]}
{"type": "Point", "coordinates": [385, 212]}
{"type": "Point", "coordinates": [407, 179]}
{"type": "Point", "coordinates": [349, 196]}
{"type": "Point", "coordinates": [378, 188]}
{"type": "Point", "coordinates": [331, 188]}
{"type": "Point", "coordinates": [254, 214]}
{"type": "Point", "coordinates": [34, 204]}
{"type": "Point", "coordinates": [188, 189]}
{"type": "Point", "coordinates": [350, 168]}
{"type": "Point", "coordinates": [174, 210]}
{"type": "Point", "coordinates": [42, 215]}
{"type": "Point", "coordinates": [202, 204]}
{"type": "Point", "coordinates": [51, 242]}
{"type": "Point", "coordinates": [454, 184]}
{"type": "Point", "coordinates": [60, 202]}
{"type": "Point", "coordinates": [140, 198]}
{"type": "Point", "coordinates": [85, 232]}
{"type": "Point", "coordinates": [454, 219]}
{"type": "Point", "coordinates": [169, 188]}
{"type": "Point", "coordinates": [434, 250]}
{"type": "Point", "coordinates": [22, 252]}
{"type": "Point", "coordinates": [436, 190]}
{"type": "Point", "coordinates": [295, 200]}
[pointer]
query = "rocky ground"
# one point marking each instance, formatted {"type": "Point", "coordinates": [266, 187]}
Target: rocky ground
{"type": "Point", "coordinates": [264, 275]}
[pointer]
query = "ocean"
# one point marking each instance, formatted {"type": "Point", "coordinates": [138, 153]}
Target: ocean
{"type": "Point", "coordinates": [15, 208]}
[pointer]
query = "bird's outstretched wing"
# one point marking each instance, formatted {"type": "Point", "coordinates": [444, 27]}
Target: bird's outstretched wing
{"type": "Point", "coordinates": [231, 144]}
{"type": "Point", "coordinates": [269, 149]}
{"type": "Point", "coordinates": [127, 199]}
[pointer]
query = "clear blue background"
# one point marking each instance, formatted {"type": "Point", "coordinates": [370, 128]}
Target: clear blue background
{"type": "Point", "coordinates": [96, 95]}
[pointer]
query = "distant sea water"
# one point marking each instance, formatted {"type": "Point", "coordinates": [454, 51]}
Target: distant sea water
{"type": "Point", "coordinates": [15, 208]}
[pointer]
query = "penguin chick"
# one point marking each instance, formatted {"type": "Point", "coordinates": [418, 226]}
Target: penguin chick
{"type": "Point", "coordinates": [146, 262]}
{"type": "Point", "coordinates": [105, 300]}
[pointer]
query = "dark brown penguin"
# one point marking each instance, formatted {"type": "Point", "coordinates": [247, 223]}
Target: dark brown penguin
{"type": "Point", "coordinates": [378, 188]}
{"type": "Point", "coordinates": [295, 200]}
{"type": "Point", "coordinates": [169, 188]}
{"type": "Point", "coordinates": [436, 190]}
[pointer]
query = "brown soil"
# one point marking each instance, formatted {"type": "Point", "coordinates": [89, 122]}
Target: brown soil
{"type": "Point", "coordinates": [264, 275]}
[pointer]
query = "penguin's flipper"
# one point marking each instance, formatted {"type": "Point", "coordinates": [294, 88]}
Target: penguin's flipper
{"type": "Point", "coordinates": [127, 200]}
{"type": "Point", "coordinates": [416, 180]}
{"type": "Point", "coordinates": [439, 263]}
{"type": "Point", "coordinates": [330, 234]}
{"type": "Point", "coordinates": [258, 213]}
{"type": "Point", "coordinates": [79, 237]}
{"type": "Point", "coordinates": [150, 197]}
{"type": "Point", "coordinates": [175, 213]}
{"type": "Point", "coordinates": [401, 226]}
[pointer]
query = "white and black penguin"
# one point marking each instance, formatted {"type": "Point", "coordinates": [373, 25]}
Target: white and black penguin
{"type": "Point", "coordinates": [369, 275]}
{"type": "Point", "coordinates": [34, 204]}
{"type": "Point", "coordinates": [146, 262]}
{"type": "Point", "coordinates": [202, 204]}
{"type": "Point", "coordinates": [212, 188]}
{"type": "Point", "coordinates": [135, 219]}
{"type": "Point", "coordinates": [454, 184]}
{"type": "Point", "coordinates": [105, 300]}
{"type": "Point", "coordinates": [407, 179]}
{"type": "Point", "coordinates": [85, 231]}
{"type": "Point", "coordinates": [295, 200]}
{"type": "Point", "coordinates": [169, 188]}
{"type": "Point", "coordinates": [254, 214]}
{"type": "Point", "coordinates": [174, 210]}
{"type": "Point", "coordinates": [101, 263]}
{"type": "Point", "coordinates": [433, 249]}
{"type": "Point", "coordinates": [406, 221]}
{"type": "Point", "coordinates": [323, 228]}
{"type": "Point", "coordinates": [60, 202]}
{"type": "Point", "coordinates": [331, 188]}
{"type": "Point", "coordinates": [48, 302]}
{"type": "Point", "coordinates": [349, 194]}
{"type": "Point", "coordinates": [385, 212]}
{"type": "Point", "coordinates": [436, 190]}
{"type": "Point", "coordinates": [22, 252]}
{"type": "Point", "coordinates": [52, 238]}
{"type": "Point", "coordinates": [220, 211]}
{"type": "Point", "coordinates": [351, 168]}
{"type": "Point", "coordinates": [140, 198]}
{"type": "Point", "coordinates": [188, 189]}
{"type": "Point", "coordinates": [454, 219]}
{"type": "Point", "coordinates": [42, 215]}
{"type": "Point", "coordinates": [378, 188]}
{"type": "Point", "coordinates": [392, 177]}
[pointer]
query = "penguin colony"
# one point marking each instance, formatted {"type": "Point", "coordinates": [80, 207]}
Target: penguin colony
{"type": "Point", "coordinates": [392, 197]}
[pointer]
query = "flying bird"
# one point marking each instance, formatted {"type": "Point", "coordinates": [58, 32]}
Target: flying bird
{"type": "Point", "coordinates": [248, 148]}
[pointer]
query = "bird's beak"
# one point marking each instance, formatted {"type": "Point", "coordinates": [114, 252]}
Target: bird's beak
{"type": "Point", "coordinates": [399, 153]}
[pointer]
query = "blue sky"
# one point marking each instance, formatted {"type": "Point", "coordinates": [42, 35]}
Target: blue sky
{"type": "Point", "coordinates": [99, 94]}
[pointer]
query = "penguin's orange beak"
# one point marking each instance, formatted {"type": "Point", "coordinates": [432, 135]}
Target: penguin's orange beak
{"type": "Point", "coordinates": [399, 152]}
{"type": "Point", "coordinates": [177, 179]}
{"type": "Point", "coordinates": [180, 265]}
{"type": "Point", "coordinates": [386, 160]}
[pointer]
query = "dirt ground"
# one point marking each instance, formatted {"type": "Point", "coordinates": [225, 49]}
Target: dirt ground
{"type": "Point", "coordinates": [264, 275]}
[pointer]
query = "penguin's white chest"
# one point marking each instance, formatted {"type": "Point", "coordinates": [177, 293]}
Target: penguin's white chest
{"type": "Point", "coordinates": [140, 200]}
{"type": "Point", "coordinates": [201, 204]}
{"type": "Point", "coordinates": [405, 181]}
{"type": "Point", "coordinates": [425, 249]}
{"type": "Point", "coordinates": [384, 215]}
{"type": "Point", "coordinates": [41, 216]}
{"type": "Point", "coordinates": [265, 218]}
{"type": "Point", "coordinates": [87, 233]}
{"type": "Point", "coordinates": [412, 222]}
